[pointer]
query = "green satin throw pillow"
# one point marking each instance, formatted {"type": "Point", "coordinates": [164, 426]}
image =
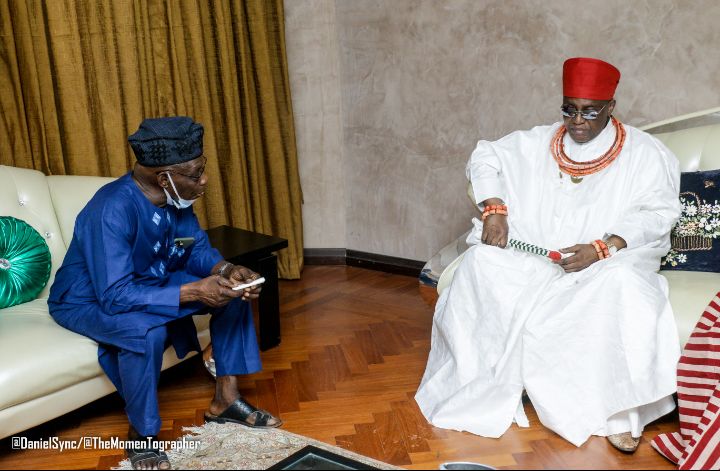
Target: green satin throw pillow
{"type": "Point", "coordinates": [24, 262]}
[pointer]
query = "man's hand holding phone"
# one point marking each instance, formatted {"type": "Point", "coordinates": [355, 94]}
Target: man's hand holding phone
{"type": "Point", "coordinates": [231, 281]}
{"type": "Point", "coordinates": [240, 276]}
{"type": "Point", "coordinates": [214, 291]}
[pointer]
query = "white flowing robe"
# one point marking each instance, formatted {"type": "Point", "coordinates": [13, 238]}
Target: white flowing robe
{"type": "Point", "coordinates": [595, 350]}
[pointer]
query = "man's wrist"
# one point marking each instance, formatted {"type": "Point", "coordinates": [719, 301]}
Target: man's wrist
{"type": "Point", "coordinates": [225, 269]}
{"type": "Point", "coordinates": [614, 243]}
{"type": "Point", "coordinates": [188, 293]}
{"type": "Point", "coordinates": [492, 209]}
{"type": "Point", "coordinates": [491, 201]}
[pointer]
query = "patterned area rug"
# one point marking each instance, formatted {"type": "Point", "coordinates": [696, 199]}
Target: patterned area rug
{"type": "Point", "coordinates": [230, 446]}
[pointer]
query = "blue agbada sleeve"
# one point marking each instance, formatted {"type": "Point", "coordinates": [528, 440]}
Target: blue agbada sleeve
{"type": "Point", "coordinates": [203, 256]}
{"type": "Point", "coordinates": [107, 245]}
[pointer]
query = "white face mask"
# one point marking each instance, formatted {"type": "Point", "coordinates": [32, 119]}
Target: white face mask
{"type": "Point", "coordinates": [180, 203]}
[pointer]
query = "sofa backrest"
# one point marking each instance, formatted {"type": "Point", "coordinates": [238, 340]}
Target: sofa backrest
{"type": "Point", "coordinates": [696, 148]}
{"type": "Point", "coordinates": [24, 195]}
{"type": "Point", "coordinates": [69, 195]}
{"type": "Point", "coordinates": [694, 138]}
{"type": "Point", "coordinates": [49, 204]}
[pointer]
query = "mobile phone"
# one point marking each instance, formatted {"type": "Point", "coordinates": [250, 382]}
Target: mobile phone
{"type": "Point", "coordinates": [184, 242]}
{"type": "Point", "coordinates": [249, 284]}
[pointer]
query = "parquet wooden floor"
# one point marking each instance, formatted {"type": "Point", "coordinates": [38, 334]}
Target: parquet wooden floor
{"type": "Point", "coordinates": [354, 346]}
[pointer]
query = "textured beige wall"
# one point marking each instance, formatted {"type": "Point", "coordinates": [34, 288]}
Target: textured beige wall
{"type": "Point", "coordinates": [313, 61]}
{"type": "Point", "coordinates": [422, 80]}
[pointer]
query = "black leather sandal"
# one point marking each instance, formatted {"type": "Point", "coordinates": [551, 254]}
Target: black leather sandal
{"type": "Point", "coordinates": [239, 412]}
{"type": "Point", "coordinates": [152, 457]}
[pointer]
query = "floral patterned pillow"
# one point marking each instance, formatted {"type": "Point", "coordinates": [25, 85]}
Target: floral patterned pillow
{"type": "Point", "coordinates": [695, 244]}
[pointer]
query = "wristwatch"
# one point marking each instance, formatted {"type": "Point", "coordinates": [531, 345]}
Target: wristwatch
{"type": "Point", "coordinates": [612, 249]}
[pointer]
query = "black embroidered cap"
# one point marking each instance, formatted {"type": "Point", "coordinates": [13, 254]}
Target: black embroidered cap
{"type": "Point", "coordinates": [167, 141]}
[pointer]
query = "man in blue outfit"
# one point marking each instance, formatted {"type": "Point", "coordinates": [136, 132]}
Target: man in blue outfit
{"type": "Point", "coordinates": [139, 266]}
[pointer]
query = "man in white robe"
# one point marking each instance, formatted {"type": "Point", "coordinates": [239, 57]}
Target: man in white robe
{"type": "Point", "coordinates": [591, 340]}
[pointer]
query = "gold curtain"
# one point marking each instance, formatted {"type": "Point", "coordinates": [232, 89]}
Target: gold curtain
{"type": "Point", "coordinates": [78, 76]}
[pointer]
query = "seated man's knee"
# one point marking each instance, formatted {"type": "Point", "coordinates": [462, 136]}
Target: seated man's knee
{"type": "Point", "coordinates": [236, 307]}
{"type": "Point", "coordinates": [480, 254]}
{"type": "Point", "coordinates": [622, 272]}
{"type": "Point", "coordinates": [156, 337]}
{"type": "Point", "coordinates": [475, 253]}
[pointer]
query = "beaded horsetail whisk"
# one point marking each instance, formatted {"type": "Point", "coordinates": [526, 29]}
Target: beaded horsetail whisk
{"type": "Point", "coordinates": [534, 249]}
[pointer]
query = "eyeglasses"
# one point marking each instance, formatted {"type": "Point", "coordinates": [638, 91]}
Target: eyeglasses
{"type": "Point", "coordinates": [195, 178]}
{"type": "Point", "coordinates": [569, 111]}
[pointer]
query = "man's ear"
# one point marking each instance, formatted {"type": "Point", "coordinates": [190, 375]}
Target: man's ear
{"type": "Point", "coordinates": [162, 179]}
{"type": "Point", "coordinates": [611, 107]}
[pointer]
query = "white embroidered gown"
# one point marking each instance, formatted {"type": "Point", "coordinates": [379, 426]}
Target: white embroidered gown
{"type": "Point", "coordinates": [596, 350]}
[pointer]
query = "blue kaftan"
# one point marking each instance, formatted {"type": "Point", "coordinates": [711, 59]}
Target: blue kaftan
{"type": "Point", "coordinates": [120, 285]}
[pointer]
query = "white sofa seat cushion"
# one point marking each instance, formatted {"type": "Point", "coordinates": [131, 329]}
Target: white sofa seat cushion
{"type": "Point", "coordinates": [38, 356]}
{"type": "Point", "coordinates": [690, 293]}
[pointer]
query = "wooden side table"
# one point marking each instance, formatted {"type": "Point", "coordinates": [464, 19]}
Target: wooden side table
{"type": "Point", "coordinates": [255, 251]}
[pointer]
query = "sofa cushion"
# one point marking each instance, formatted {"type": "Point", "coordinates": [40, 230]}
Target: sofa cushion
{"type": "Point", "coordinates": [695, 244]}
{"type": "Point", "coordinates": [38, 357]}
{"type": "Point", "coordinates": [690, 293]}
{"type": "Point", "coordinates": [24, 262]}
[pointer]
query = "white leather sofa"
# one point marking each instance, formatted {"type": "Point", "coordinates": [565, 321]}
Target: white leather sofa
{"type": "Point", "coordinates": [695, 140]}
{"type": "Point", "coordinates": [46, 370]}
